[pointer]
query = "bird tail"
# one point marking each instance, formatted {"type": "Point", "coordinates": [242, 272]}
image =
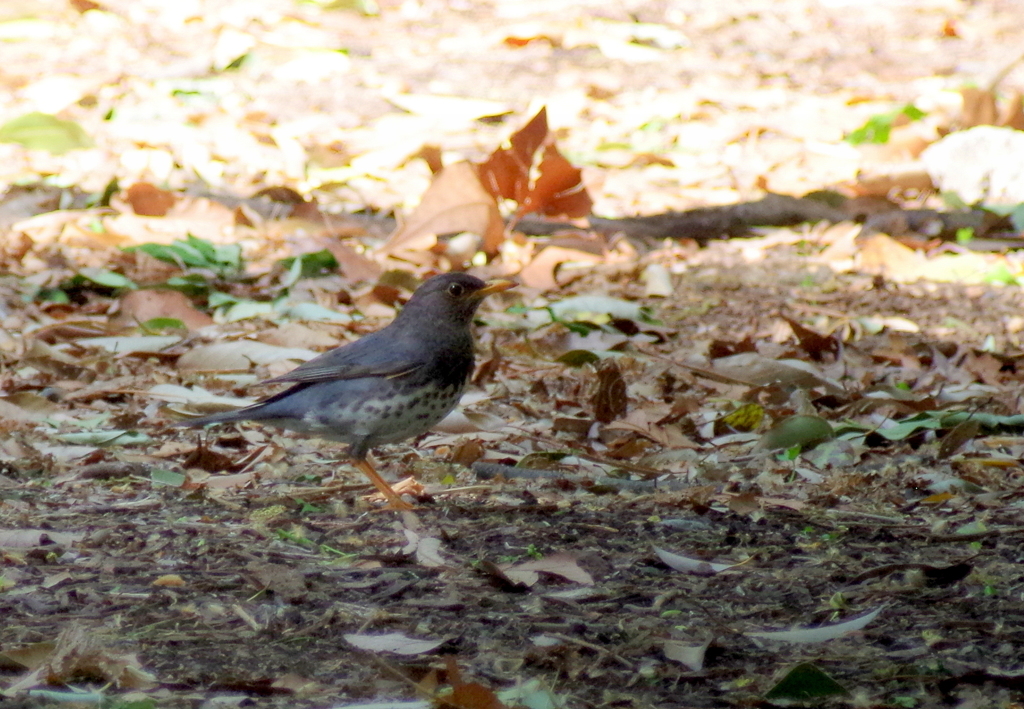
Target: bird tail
{"type": "Point", "coordinates": [242, 414]}
{"type": "Point", "coordinates": [276, 407]}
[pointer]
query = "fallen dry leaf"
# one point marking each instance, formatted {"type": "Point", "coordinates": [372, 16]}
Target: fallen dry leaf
{"type": "Point", "coordinates": [542, 271]}
{"type": "Point", "coordinates": [564, 565]}
{"type": "Point", "coordinates": [819, 634]}
{"type": "Point", "coordinates": [455, 202]}
{"type": "Point", "coordinates": [76, 652]}
{"type": "Point", "coordinates": [140, 306]}
{"type": "Point", "coordinates": [397, 643]}
{"type": "Point", "coordinates": [148, 200]}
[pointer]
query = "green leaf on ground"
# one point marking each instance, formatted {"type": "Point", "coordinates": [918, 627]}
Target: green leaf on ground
{"type": "Point", "coordinates": [319, 263]}
{"type": "Point", "coordinates": [877, 128]}
{"type": "Point", "coordinates": [805, 681]}
{"type": "Point", "coordinates": [41, 131]}
{"type": "Point", "coordinates": [102, 277]}
{"type": "Point", "coordinates": [223, 259]}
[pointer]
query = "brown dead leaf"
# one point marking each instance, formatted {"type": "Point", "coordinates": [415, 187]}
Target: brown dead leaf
{"type": "Point", "coordinates": [646, 422]}
{"type": "Point", "coordinates": [12, 412]}
{"type": "Point", "coordinates": [140, 267]}
{"type": "Point", "coordinates": [644, 159]}
{"type": "Point", "coordinates": [754, 369]}
{"type": "Point", "coordinates": [564, 565]}
{"type": "Point", "coordinates": [239, 355]}
{"type": "Point", "coordinates": [284, 581]}
{"type": "Point", "coordinates": [521, 40]}
{"type": "Point", "coordinates": [52, 360]}
{"type": "Point", "coordinates": [140, 306]}
{"type": "Point", "coordinates": [762, 501]}
{"type": "Point", "coordinates": [228, 482]}
{"type": "Point", "coordinates": [354, 266]}
{"type": "Point", "coordinates": [203, 218]}
{"type": "Point", "coordinates": [129, 228]}
{"type": "Point", "coordinates": [69, 227]}
{"type": "Point", "coordinates": [542, 271]}
{"type": "Point", "coordinates": [148, 200]}
{"type": "Point", "coordinates": [744, 503]}
{"type": "Point", "coordinates": [611, 399]}
{"type": "Point", "coordinates": [1012, 113]}
{"type": "Point", "coordinates": [208, 460]}
{"type": "Point", "coordinates": [467, 452]}
{"type": "Point", "coordinates": [29, 656]}
{"type": "Point", "coordinates": [467, 695]}
{"type": "Point", "coordinates": [454, 202]}
{"type": "Point", "coordinates": [979, 107]}
{"type": "Point", "coordinates": [298, 335]}
{"type": "Point", "coordinates": [986, 367]}
{"type": "Point", "coordinates": [506, 173]}
{"type": "Point", "coordinates": [281, 194]}
{"type": "Point", "coordinates": [296, 684]}
{"type": "Point", "coordinates": [500, 579]}
{"type": "Point", "coordinates": [431, 154]}
{"type": "Point", "coordinates": [908, 177]}
{"type": "Point", "coordinates": [958, 436]}
{"type": "Point", "coordinates": [883, 255]}
{"type": "Point", "coordinates": [79, 652]}
{"type": "Point", "coordinates": [471, 695]}
{"type": "Point", "coordinates": [813, 343]}
{"type": "Point", "coordinates": [559, 190]}
{"type": "Point", "coordinates": [906, 142]}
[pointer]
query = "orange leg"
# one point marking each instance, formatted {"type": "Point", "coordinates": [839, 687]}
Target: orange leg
{"type": "Point", "coordinates": [394, 501]}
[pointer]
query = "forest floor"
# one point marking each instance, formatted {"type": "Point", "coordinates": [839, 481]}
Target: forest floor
{"type": "Point", "coordinates": [655, 519]}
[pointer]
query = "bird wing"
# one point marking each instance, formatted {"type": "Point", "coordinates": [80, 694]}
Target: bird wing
{"type": "Point", "coordinates": [366, 357]}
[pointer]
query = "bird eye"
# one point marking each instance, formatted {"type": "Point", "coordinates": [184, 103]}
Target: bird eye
{"type": "Point", "coordinates": [456, 290]}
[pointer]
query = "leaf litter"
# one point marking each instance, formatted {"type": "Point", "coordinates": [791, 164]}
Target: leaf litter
{"type": "Point", "coordinates": [800, 400]}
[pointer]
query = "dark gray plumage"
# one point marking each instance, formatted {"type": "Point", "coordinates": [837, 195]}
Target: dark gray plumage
{"type": "Point", "coordinates": [388, 386]}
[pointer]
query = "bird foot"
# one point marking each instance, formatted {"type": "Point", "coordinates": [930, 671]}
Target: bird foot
{"type": "Point", "coordinates": [395, 501]}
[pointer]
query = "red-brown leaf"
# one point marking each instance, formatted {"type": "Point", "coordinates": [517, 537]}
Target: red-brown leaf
{"type": "Point", "coordinates": [559, 189]}
{"type": "Point", "coordinates": [506, 173]}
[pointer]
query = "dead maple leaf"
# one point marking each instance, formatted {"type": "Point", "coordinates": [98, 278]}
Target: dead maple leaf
{"type": "Point", "coordinates": [558, 189]}
{"type": "Point", "coordinates": [506, 173]}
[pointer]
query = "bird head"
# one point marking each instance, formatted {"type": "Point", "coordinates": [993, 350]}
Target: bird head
{"type": "Point", "coordinates": [450, 297]}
